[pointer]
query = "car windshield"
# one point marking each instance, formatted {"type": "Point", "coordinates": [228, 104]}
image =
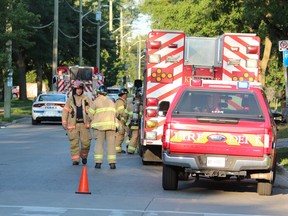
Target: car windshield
{"type": "Point", "coordinates": [60, 98]}
{"type": "Point", "coordinates": [218, 103]}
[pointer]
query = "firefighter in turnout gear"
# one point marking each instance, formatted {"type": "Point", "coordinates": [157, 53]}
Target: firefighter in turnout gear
{"type": "Point", "coordinates": [135, 113]}
{"type": "Point", "coordinates": [104, 123]}
{"type": "Point", "coordinates": [121, 104]}
{"type": "Point", "coordinates": [76, 121]}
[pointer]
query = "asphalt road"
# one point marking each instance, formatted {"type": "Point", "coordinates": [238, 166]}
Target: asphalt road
{"type": "Point", "coordinates": [38, 179]}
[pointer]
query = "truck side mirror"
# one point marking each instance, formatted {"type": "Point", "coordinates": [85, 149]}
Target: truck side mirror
{"type": "Point", "coordinates": [163, 108]}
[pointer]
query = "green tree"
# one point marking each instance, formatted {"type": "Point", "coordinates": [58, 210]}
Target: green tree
{"type": "Point", "coordinates": [215, 17]}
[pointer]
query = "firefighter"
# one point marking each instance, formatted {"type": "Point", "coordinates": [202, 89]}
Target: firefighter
{"type": "Point", "coordinates": [76, 121]}
{"type": "Point", "coordinates": [121, 104]}
{"type": "Point", "coordinates": [135, 112]}
{"type": "Point", "coordinates": [104, 123]}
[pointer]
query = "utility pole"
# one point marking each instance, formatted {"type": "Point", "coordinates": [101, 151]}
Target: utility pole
{"type": "Point", "coordinates": [110, 15]}
{"type": "Point", "coordinates": [55, 45]}
{"type": "Point", "coordinates": [121, 33]}
{"type": "Point", "coordinates": [9, 80]}
{"type": "Point", "coordinates": [98, 18]}
{"type": "Point", "coordinates": [80, 32]}
{"type": "Point", "coordinates": [139, 57]}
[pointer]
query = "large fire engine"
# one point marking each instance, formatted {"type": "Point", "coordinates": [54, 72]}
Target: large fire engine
{"type": "Point", "coordinates": [66, 75]}
{"type": "Point", "coordinates": [173, 58]}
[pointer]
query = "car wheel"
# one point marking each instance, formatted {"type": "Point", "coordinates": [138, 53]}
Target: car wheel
{"type": "Point", "coordinates": [169, 178]}
{"type": "Point", "coordinates": [264, 188]}
{"type": "Point", "coordinates": [14, 96]}
{"type": "Point", "coordinates": [34, 122]}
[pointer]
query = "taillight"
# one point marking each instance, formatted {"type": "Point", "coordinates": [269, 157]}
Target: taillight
{"type": "Point", "coordinates": [62, 105]}
{"type": "Point", "coordinates": [154, 44]}
{"type": "Point", "coordinates": [151, 113]}
{"type": "Point", "coordinates": [152, 102]}
{"type": "Point", "coordinates": [252, 49]}
{"type": "Point", "coordinates": [268, 137]}
{"type": "Point", "coordinates": [38, 105]}
{"type": "Point", "coordinates": [166, 136]}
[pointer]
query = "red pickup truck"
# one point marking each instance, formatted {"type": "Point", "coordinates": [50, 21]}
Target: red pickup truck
{"type": "Point", "coordinates": [220, 130]}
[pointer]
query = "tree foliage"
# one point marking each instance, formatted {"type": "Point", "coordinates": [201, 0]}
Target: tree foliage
{"type": "Point", "coordinates": [215, 17]}
{"type": "Point", "coordinates": [32, 37]}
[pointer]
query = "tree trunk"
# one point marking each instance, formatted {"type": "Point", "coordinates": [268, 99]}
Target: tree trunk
{"type": "Point", "coordinates": [22, 68]}
{"type": "Point", "coordinates": [39, 79]}
{"type": "Point", "coordinates": [264, 61]}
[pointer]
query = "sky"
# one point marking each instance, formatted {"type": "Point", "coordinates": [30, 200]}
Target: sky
{"type": "Point", "coordinates": [142, 25]}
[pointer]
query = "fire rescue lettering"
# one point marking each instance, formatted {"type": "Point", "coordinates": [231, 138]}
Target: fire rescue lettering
{"type": "Point", "coordinates": [229, 139]}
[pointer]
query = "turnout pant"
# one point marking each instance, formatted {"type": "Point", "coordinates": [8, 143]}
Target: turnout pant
{"type": "Point", "coordinates": [101, 137]}
{"type": "Point", "coordinates": [82, 135]}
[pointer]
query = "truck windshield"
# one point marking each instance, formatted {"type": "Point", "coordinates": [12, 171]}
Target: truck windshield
{"type": "Point", "coordinates": [219, 103]}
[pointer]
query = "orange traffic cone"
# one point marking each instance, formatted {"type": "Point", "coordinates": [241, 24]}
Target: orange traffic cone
{"type": "Point", "coordinates": [83, 185]}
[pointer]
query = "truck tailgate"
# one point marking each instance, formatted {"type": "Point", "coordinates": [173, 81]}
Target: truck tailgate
{"type": "Point", "coordinates": [243, 138]}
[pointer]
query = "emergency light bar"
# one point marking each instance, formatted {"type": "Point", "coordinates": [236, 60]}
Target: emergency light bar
{"type": "Point", "coordinates": [243, 85]}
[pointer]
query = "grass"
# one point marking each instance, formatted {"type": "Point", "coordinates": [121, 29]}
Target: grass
{"type": "Point", "coordinates": [283, 131]}
{"type": "Point", "coordinates": [282, 156]}
{"type": "Point", "coordinates": [18, 110]}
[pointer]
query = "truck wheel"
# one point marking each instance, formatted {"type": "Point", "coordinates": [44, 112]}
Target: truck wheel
{"type": "Point", "coordinates": [183, 176]}
{"type": "Point", "coordinates": [264, 188]}
{"type": "Point", "coordinates": [169, 178]}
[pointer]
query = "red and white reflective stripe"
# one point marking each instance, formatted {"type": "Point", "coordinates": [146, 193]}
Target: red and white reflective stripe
{"type": "Point", "coordinates": [240, 42]}
{"type": "Point", "coordinates": [164, 91]}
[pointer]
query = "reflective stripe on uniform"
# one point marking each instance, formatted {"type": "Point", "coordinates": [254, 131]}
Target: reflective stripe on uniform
{"type": "Point", "coordinates": [111, 109]}
{"type": "Point", "coordinates": [75, 157]}
{"type": "Point", "coordinates": [111, 157]}
{"type": "Point", "coordinates": [131, 148]}
{"type": "Point", "coordinates": [118, 148]}
{"type": "Point", "coordinates": [120, 108]}
{"type": "Point", "coordinates": [111, 123]}
{"type": "Point", "coordinates": [66, 108]}
{"type": "Point", "coordinates": [98, 156]}
{"type": "Point", "coordinates": [90, 110]}
{"type": "Point", "coordinates": [71, 127]}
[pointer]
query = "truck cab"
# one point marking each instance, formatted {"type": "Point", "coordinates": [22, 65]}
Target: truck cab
{"type": "Point", "coordinates": [220, 130]}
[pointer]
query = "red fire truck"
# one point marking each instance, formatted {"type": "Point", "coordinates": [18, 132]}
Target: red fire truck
{"type": "Point", "coordinates": [66, 75]}
{"type": "Point", "coordinates": [173, 58]}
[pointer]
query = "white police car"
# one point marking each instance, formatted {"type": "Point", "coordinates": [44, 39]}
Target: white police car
{"type": "Point", "coordinates": [48, 107]}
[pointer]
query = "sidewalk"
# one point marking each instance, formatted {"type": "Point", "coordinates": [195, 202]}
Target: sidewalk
{"type": "Point", "coordinates": [282, 143]}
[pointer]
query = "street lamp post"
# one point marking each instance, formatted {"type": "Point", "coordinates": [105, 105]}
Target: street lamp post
{"type": "Point", "coordinates": [80, 33]}
{"type": "Point", "coordinates": [81, 16]}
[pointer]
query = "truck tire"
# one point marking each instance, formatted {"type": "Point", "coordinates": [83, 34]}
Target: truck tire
{"type": "Point", "coordinates": [264, 188]}
{"type": "Point", "coordinates": [169, 178]}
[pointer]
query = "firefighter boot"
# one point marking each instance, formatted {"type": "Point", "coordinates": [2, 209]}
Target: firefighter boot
{"type": "Point", "coordinates": [84, 161]}
{"type": "Point", "coordinates": [75, 163]}
{"type": "Point", "coordinates": [98, 165]}
{"type": "Point", "coordinates": [112, 166]}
